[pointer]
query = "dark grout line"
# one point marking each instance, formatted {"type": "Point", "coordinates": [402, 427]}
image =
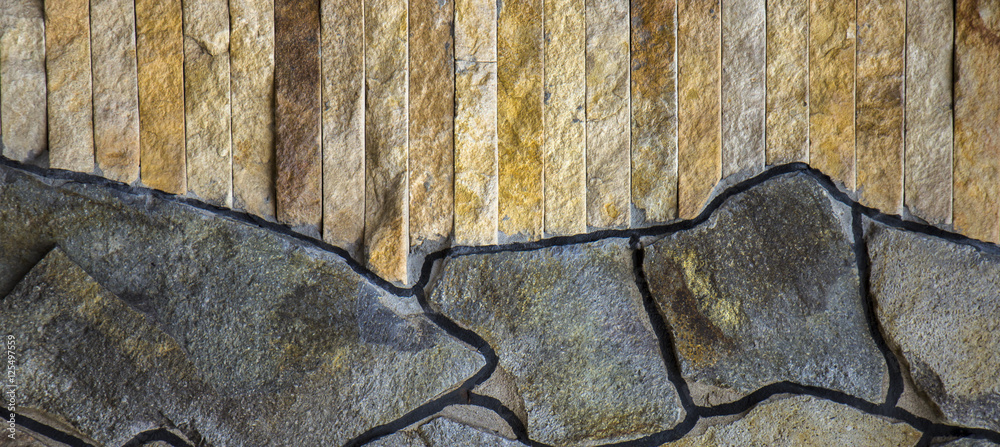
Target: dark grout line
{"type": "Point", "coordinates": [515, 423]}
{"type": "Point", "coordinates": [159, 434]}
{"type": "Point", "coordinates": [50, 432]}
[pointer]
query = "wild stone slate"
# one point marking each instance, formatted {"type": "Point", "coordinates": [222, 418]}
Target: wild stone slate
{"type": "Point", "coordinates": [443, 432]}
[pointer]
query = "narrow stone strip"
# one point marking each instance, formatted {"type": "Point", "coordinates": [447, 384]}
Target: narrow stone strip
{"type": "Point", "coordinates": [343, 55]}
{"type": "Point", "coordinates": [608, 155]}
{"type": "Point", "coordinates": [977, 119]}
{"type": "Point", "coordinates": [564, 142]}
{"type": "Point", "coordinates": [386, 195]}
{"type": "Point", "coordinates": [476, 30]}
{"type": "Point", "coordinates": [206, 100]}
{"type": "Point", "coordinates": [519, 118]}
{"type": "Point", "coordinates": [744, 50]}
{"type": "Point", "coordinates": [787, 81]}
{"type": "Point", "coordinates": [23, 123]}
{"type": "Point", "coordinates": [67, 63]}
{"type": "Point", "coordinates": [297, 113]}
{"type": "Point", "coordinates": [699, 152]}
{"type": "Point", "coordinates": [881, 64]}
{"type": "Point", "coordinates": [116, 89]}
{"type": "Point", "coordinates": [929, 132]}
{"type": "Point", "coordinates": [831, 89]}
{"type": "Point", "coordinates": [251, 54]}
{"type": "Point", "coordinates": [432, 110]}
{"type": "Point", "coordinates": [160, 56]}
{"type": "Point", "coordinates": [654, 111]}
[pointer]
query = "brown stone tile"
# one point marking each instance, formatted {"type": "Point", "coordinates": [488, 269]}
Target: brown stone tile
{"type": "Point", "coordinates": [831, 89]}
{"type": "Point", "coordinates": [476, 161]}
{"type": "Point", "coordinates": [743, 54]}
{"type": "Point", "coordinates": [23, 122]}
{"type": "Point", "coordinates": [67, 65]}
{"type": "Point", "coordinates": [116, 90]}
{"type": "Point", "coordinates": [787, 81]}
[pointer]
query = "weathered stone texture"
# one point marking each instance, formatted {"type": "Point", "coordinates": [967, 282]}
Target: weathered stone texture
{"type": "Point", "coordinates": [475, 153]}
{"type": "Point", "coordinates": [116, 90]}
{"type": "Point", "coordinates": [67, 66]}
{"type": "Point", "coordinates": [476, 30]}
{"type": "Point", "coordinates": [766, 291]}
{"type": "Point", "coordinates": [442, 432]}
{"type": "Point", "coordinates": [160, 59]}
{"type": "Point", "coordinates": [23, 120]}
{"type": "Point", "coordinates": [587, 365]}
{"type": "Point", "coordinates": [787, 81]}
{"type": "Point", "coordinates": [744, 52]}
{"type": "Point", "coordinates": [654, 110]}
{"type": "Point", "coordinates": [206, 100]}
{"type": "Point", "coordinates": [831, 89]}
{"type": "Point", "coordinates": [608, 159]}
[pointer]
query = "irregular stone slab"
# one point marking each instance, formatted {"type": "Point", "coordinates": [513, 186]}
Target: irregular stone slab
{"type": "Point", "coordinates": [831, 89]}
{"type": "Point", "coordinates": [929, 46]}
{"type": "Point", "coordinates": [476, 173]}
{"type": "Point", "coordinates": [442, 432]}
{"type": "Point", "coordinates": [251, 55]}
{"type": "Point", "coordinates": [67, 66]}
{"type": "Point", "coordinates": [586, 364]}
{"type": "Point", "coordinates": [806, 421]}
{"type": "Point", "coordinates": [23, 123]}
{"type": "Point", "coordinates": [654, 110]}
{"type": "Point", "coordinates": [766, 291]}
{"type": "Point", "coordinates": [744, 54]}
{"type": "Point", "coordinates": [284, 338]}
{"type": "Point", "coordinates": [476, 30]}
{"type": "Point", "coordinates": [116, 89]}
{"type": "Point", "coordinates": [940, 304]}
{"type": "Point", "coordinates": [969, 442]}
{"type": "Point", "coordinates": [787, 81]}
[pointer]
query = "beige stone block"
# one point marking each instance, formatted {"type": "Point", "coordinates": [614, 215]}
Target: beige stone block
{"type": "Point", "coordinates": [67, 63]}
{"type": "Point", "coordinates": [476, 161]}
{"type": "Point", "coordinates": [831, 89]}
{"type": "Point", "coordinates": [787, 81]}
{"type": "Point", "coordinates": [744, 53]}
{"type": "Point", "coordinates": [476, 30]}
{"type": "Point", "coordinates": [116, 90]}
{"type": "Point", "coordinates": [23, 118]}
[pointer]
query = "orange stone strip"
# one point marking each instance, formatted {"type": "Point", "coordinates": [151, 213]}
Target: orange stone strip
{"type": "Point", "coordinates": [787, 127]}
{"type": "Point", "coordinates": [67, 62]}
{"type": "Point", "coordinates": [831, 89]}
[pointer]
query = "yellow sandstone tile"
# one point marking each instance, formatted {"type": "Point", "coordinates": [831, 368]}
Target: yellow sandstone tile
{"type": "Point", "coordinates": [831, 89]}
{"type": "Point", "coordinates": [67, 64]}
{"type": "Point", "coordinates": [787, 81]}
{"type": "Point", "coordinates": [476, 161]}
{"type": "Point", "coordinates": [116, 90]}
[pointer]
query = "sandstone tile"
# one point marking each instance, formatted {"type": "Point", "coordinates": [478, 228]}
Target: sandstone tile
{"type": "Point", "coordinates": [206, 101]}
{"type": "Point", "coordinates": [743, 54]}
{"type": "Point", "coordinates": [879, 123]}
{"type": "Point", "coordinates": [564, 143]}
{"type": "Point", "coordinates": [519, 119]}
{"type": "Point", "coordinates": [977, 119]}
{"type": "Point", "coordinates": [67, 65]}
{"type": "Point", "coordinates": [699, 131]}
{"type": "Point", "coordinates": [23, 119]}
{"type": "Point", "coordinates": [654, 110]}
{"type": "Point", "coordinates": [386, 193]}
{"type": "Point", "coordinates": [343, 123]}
{"type": "Point", "coordinates": [608, 157]}
{"type": "Point", "coordinates": [476, 168]}
{"type": "Point", "coordinates": [297, 115]}
{"type": "Point", "coordinates": [787, 125]}
{"type": "Point", "coordinates": [116, 89]}
{"type": "Point", "coordinates": [929, 131]}
{"type": "Point", "coordinates": [831, 89]}
{"type": "Point", "coordinates": [476, 30]}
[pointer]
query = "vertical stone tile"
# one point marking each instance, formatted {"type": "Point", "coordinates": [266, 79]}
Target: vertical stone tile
{"type": "Point", "coordinates": [929, 132]}
{"type": "Point", "coordinates": [160, 58]}
{"type": "Point", "coordinates": [519, 118]}
{"type": "Point", "coordinates": [432, 109]}
{"type": "Point", "coordinates": [386, 195]}
{"type": "Point", "coordinates": [744, 50]}
{"type": "Point", "coordinates": [977, 119]}
{"type": "Point", "coordinates": [564, 142]}
{"type": "Point", "coordinates": [298, 185]}
{"type": "Point", "coordinates": [476, 30]}
{"type": "Point", "coordinates": [206, 100]}
{"type": "Point", "coordinates": [699, 131]}
{"type": "Point", "coordinates": [787, 126]}
{"type": "Point", "coordinates": [344, 123]}
{"type": "Point", "coordinates": [251, 54]}
{"type": "Point", "coordinates": [831, 89]}
{"type": "Point", "coordinates": [116, 89]}
{"type": "Point", "coordinates": [476, 163]}
{"type": "Point", "coordinates": [23, 122]}
{"type": "Point", "coordinates": [67, 63]}
{"type": "Point", "coordinates": [654, 110]}
{"type": "Point", "coordinates": [879, 126]}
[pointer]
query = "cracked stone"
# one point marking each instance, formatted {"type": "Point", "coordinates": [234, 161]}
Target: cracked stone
{"type": "Point", "coordinates": [443, 432]}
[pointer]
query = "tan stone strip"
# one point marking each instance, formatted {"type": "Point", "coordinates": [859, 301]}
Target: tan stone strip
{"type": "Point", "coordinates": [297, 113]}
{"type": "Point", "coordinates": [67, 63]}
{"type": "Point", "coordinates": [206, 100]}
{"type": "Point", "coordinates": [564, 142]}
{"type": "Point", "coordinates": [476, 30]}
{"type": "Point", "coordinates": [831, 89]}
{"type": "Point", "coordinates": [344, 123]}
{"type": "Point", "coordinates": [476, 153]}
{"type": "Point", "coordinates": [977, 119]}
{"type": "Point", "coordinates": [744, 50]}
{"type": "Point", "coordinates": [699, 151]}
{"type": "Point", "coordinates": [23, 123]}
{"type": "Point", "coordinates": [251, 54]}
{"type": "Point", "coordinates": [116, 89]}
{"type": "Point", "coordinates": [386, 196]}
{"type": "Point", "coordinates": [432, 109]}
{"type": "Point", "coordinates": [160, 57]}
{"type": "Point", "coordinates": [881, 63]}
{"type": "Point", "coordinates": [929, 132]}
{"type": "Point", "coordinates": [654, 110]}
{"type": "Point", "coordinates": [787, 81]}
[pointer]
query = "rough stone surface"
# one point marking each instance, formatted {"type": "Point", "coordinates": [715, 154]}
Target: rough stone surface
{"type": "Point", "coordinates": [23, 121]}
{"type": "Point", "coordinates": [116, 89]}
{"type": "Point", "coordinates": [940, 305]}
{"type": "Point", "coordinates": [475, 153]}
{"type": "Point", "coordinates": [787, 81]}
{"type": "Point", "coordinates": [67, 66]}
{"type": "Point", "coordinates": [587, 365]}
{"type": "Point", "coordinates": [766, 291]}
{"type": "Point", "coordinates": [744, 52]}
{"type": "Point", "coordinates": [443, 432]}
{"type": "Point", "coordinates": [806, 421]}
{"type": "Point", "coordinates": [476, 30]}
{"type": "Point", "coordinates": [248, 337]}
{"type": "Point", "coordinates": [160, 59]}
{"type": "Point", "coordinates": [831, 89]}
